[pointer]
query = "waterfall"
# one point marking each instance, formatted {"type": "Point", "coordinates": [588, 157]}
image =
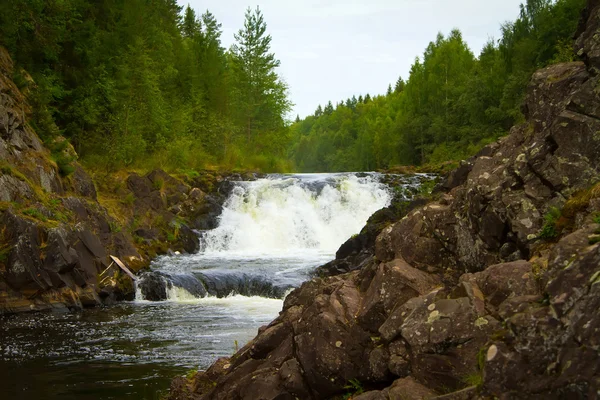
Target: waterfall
{"type": "Point", "coordinates": [271, 235]}
{"type": "Point", "coordinates": [292, 214]}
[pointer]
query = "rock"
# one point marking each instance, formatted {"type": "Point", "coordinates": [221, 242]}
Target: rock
{"type": "Point", "coordinates": [393, 284]}
{"type": "Point", "coordinates": [401, 389]}
{"type": "Point", "coordinates": [440, 297]}
{"type": "Point", "coordinates": [153, 287]}
{"type": "Point", "coordinates": [503, 281]}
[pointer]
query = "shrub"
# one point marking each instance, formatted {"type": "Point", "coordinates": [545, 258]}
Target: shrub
{"type": "Point", "coordinates": [550, 230]}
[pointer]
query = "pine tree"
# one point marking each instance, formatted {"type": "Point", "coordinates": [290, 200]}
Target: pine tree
{"type": "Point", "coordinates": [399, 88]}
{"type": "Point", "coordinates": [318, 111]}
{"type": "Point", "coordinates": [389, 90]}
{"type": "Point", "coordinates": [191, 26]}
{"type": "Point", "coordinates": [260, 96]}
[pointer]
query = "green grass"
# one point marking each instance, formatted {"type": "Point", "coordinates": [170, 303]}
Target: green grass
{"type": "Point", "coordinates": [191, 374]}
{"type": "Point", "coordinates": [354, 388]}
{"type": "Point", "coordinates": [550, 230]}
{"type": "Point", "coordinates": [474, 379]}
{"type": "Point", "coordinates": [35, 213]}
{"type": "Point", "coordinates": [114, 227]}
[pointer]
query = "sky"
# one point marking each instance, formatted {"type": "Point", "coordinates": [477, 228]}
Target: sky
{"type": "Point", "coordinates": [333, 49]}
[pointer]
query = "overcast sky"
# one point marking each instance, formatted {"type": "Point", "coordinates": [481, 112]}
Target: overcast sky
{"type": "Point", "coordinates": [332, 49]}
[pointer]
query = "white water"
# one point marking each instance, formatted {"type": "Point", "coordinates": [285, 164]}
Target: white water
{"type": "Point", "coordinates": [290, 215]}
{"type": "Point", "coordinates": [276, 230]}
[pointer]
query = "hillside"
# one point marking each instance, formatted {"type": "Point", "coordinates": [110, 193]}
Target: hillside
{"type": "Point", "coordinates": [58, 228]}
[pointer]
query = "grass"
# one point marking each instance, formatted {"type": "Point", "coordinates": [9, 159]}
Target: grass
{"type": "Point", "coordinates": [191, 374]}
{"type": "Point", "coordinates": [114, 227]}
{"type": "Point", "coordinates": [474, 379]}
{"type": "Point", "coordinates": [158, 184]}
{"type": "Point", "coordinates": [34, 213]}
{"type": "Point", "coordinates": [550, 230]}
{"type": "Point", "coordinates": [354, 388]}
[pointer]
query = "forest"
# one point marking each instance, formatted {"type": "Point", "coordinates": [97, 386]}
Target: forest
{"type": "Point", "coordinates": [147, 84]}
{"type": "Point", "coordinates": [451, 104]}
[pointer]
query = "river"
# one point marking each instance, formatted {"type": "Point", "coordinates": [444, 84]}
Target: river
{"type": "Point", "coordinates": [272, 233]}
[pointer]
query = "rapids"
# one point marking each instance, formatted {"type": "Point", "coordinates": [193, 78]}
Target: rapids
{"type": "Point", "coordinates": [272, 233]}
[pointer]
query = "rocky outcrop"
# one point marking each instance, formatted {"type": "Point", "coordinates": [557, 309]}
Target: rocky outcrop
{"type": "Point", "coordinates": [57, 230]}
{"type": "Point", "coordinates": [462, 297]}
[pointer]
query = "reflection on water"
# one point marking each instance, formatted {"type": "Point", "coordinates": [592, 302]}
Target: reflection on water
{"type": "Point", "coordinates": [273, 232]}
{"type": "Point", "coordinates": [128, 351]}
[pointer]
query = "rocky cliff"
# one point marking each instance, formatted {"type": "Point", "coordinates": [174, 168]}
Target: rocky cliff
{"type": "Point", "coordinates": [58, 227]}
{"type": "Point", "coordinates": [491, 290]}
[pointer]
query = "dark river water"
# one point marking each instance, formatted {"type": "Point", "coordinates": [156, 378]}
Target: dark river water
{"type": "Point", "coordinates": [273, 231]}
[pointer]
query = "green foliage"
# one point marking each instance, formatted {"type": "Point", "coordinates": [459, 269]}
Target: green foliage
{"type": "Point", "coordinates": [550, 230]}
{"type": "Point", "coordinates": [142, 84]}
{"type": "Point", "coordinates": [191, 374]}
{"type": "Point", "coordinates": [452, 104]}
{"type": "Point", "coordinates": [427, 187]}
{"type": "Point", "coordinates": [597, 218]}
{"type": "Point", "coordinates": [129, 199]}
{"type": "Point", "coordinates": [354, 388]}
{"type": "Point", "coordinates": [474, 379]}
{"type": "Point", "coordinates": [158, 184]}
{"type": "Point", "coordinates": [114, 226]}
{"type": "Point", "coordinates": [34, 213]}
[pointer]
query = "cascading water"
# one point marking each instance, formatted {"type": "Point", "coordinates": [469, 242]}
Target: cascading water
{"type": "Point", "coordinates": [272, 233]}
{"type": "Point", "coordinates": [294, 214]}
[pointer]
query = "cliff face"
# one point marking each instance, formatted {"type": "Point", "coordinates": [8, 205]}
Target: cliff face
{"type": "Point", "coordinates": [489, 291]}
{"type": "Point", "coordinates": [57, 232]}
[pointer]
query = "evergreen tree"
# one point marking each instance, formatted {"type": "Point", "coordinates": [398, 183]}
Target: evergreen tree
{"type": "Point", "coordinates": [318, 111]}
{"type": "Point", "coordinates": [328, 109]}
{"type": "Point", "coordinates": [399, 88]}
{"type": "Point", "coordinates": [260, 95]}
{"type": "Point", "coordinates": [191, 25]}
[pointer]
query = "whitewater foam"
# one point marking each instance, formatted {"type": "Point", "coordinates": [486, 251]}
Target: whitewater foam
{"type": "Point", "coordinates": [283, 215]}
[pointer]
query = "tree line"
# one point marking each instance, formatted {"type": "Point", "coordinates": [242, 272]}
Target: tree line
{"type": "Point", "coordinates": [145, 83]}
{"type": "Point", "coordinates": [452, 103]}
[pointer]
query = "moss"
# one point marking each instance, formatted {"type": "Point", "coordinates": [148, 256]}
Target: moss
{"type": "Point", "coordinates": [474, 379]}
